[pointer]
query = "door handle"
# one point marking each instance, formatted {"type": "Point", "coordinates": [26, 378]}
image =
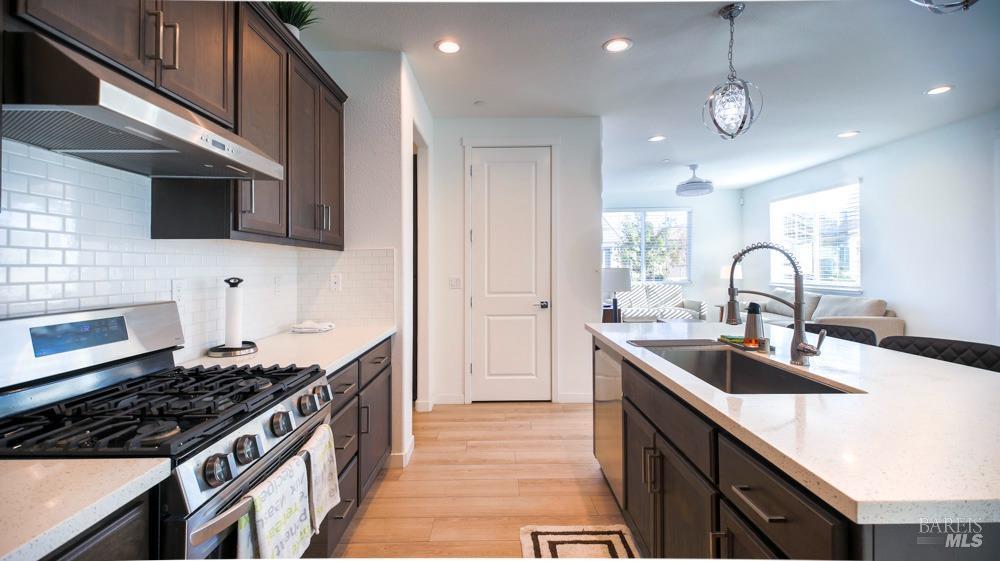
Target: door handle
{"type": "Point", "coordinates": [739, 491]}
{"type": "Point", "coordinates": [253, 198]}
{"type": "Point", "coordinates": [646, 471]}
{"type": "Point", "coordinates": [158, 37]}
{"type": "Point", "coordinates": [177, 46]}
{"type": "Point", "coordinates": [542, 305]}
{"type": "Point", "coordinates": [326, 217]}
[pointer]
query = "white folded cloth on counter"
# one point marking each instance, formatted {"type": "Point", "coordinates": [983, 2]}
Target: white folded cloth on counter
{"type": "Point", "coordinates": [278, 526]}
{"type": "Point", "coordinates": [310, 326]}
{"type": "Point", "coordinates": [324, 488]}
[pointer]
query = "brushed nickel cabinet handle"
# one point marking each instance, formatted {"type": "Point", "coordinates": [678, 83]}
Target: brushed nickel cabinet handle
{"type": "Point", "coordinates": [346, 444]}
{"type": "Point", "coordinates": [177, 46]}
{"type": "Point", "coordinates": [344, 388]}
{"type": "Point", "coordinates": [347, 508]}
{"type": "Point", "coordinates": [713, 540]}
{"type": "Point", "coordinates": [253, 198]}
{"type": "Point", "coordinates": [380, 360]}
{"type": "Point", "coordinates": [769, 518]}
{"type": "Point", "coordinates": [158, 37]}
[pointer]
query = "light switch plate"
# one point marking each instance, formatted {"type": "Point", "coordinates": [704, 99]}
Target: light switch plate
{"type": "Point", "coordinates": [177, 290]}
{"type": "Point", "coordinates": [455, 282]}
{"type": "Point", "coordinates": [336, 282]}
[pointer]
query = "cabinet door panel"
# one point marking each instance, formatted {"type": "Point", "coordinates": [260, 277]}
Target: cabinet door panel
{"type": "Point", "coordinates": [737, 540]}
{"type": "Point", "coordinates": [199, 60]}
{"type": "Point", "coordinates": [331, 168]}
{"type": "Point", "coordinates": [124, 31]}
{"type": "Point", "coordinates": [639, 504]}
{"type": "Point", "coordinates": [688, 505]}
{"type": "Point", "coordinates": [375, 416]}
{"type": "Point", "coordinates": [263, 75]}
{"type": "Point", "coordinates": [302, 171]}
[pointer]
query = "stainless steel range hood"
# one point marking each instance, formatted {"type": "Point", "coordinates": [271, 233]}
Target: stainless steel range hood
{"type": "Point", "coordinates": [61, 100]}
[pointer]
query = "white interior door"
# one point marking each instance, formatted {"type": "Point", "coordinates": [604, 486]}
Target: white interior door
{"type": "Point", "coordinates": [511, 274]}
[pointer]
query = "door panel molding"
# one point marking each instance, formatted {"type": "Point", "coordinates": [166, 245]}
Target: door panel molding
{"type": "Point", "coordinates": [552, 144]}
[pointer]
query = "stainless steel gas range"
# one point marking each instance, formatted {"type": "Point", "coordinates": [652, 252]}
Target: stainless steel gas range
{"type": "Point", "coordinates": [103, 383]}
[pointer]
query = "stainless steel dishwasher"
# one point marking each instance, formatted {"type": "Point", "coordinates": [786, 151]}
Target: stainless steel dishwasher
{"type": "Point", "coordinates": [608, 417]}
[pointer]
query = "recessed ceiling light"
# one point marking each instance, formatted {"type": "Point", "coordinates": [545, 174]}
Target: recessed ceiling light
{"type": "Point", "coordinates": [849, 134]}
{"type": "Point", "coordinates": [478, 102]}
{"type": "Point", "coordinates": [618, 44]}
{"type": "Point", "coordinates": [657, 138]}
{"type": "Point", "coordinates": [665, 160]}
{"type": "Point", "coordinates": [938, 90]}
{"type": "Point", "coordinates": [447, 46]}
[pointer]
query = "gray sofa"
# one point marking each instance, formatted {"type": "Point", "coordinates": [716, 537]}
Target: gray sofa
{"type": "Point", "coordinates": [649, 302]}
{"type": "Point", "coordinates": [831, 309]}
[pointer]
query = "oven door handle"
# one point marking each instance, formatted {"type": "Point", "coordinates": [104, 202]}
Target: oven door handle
{"type": "Point", "coordinates": [221, 522]}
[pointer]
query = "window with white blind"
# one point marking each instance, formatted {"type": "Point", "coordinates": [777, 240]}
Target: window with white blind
{"type": "Point", "coordinates": [823, 231]}
{"type": "Point", "coordinates": [654, 243]}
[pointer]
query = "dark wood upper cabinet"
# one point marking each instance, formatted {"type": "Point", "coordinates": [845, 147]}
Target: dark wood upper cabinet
{"type": "Point", "coordinates": [263, 64]}
{"type": "Point", "coordinates": [331, 169]}
{"type": "Point", "coordinates": [121, 31]}
{"type": "Point", "coordinates": [302, 170]}
{"type": "Point", "coordinates": [199, 55]}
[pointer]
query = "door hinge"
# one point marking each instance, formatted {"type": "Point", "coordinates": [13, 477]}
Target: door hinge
{"type": "Point", "coordinates": [470, 235]}
{"type": "Point", "coordinates": [470, 301]}
{"type": "Point", "coordinates": [470, 171]}
{"type": "Point", "coordinates": [470, 368]}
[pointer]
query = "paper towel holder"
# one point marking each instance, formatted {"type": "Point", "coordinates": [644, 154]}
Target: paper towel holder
{"type": "Point", "coordinates": [223, 351]}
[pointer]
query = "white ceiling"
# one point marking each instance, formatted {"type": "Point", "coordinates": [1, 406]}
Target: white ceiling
{"type": "Point", "coordinates": [823, 66]}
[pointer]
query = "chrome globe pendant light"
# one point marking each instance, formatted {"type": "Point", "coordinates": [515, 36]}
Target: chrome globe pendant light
{"type": "Point", "coordinates": [734, 105]}
{"type": "Point", "coordinates": [944, 6]}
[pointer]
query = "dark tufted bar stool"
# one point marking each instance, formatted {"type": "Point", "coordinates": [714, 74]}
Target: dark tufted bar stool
{"type": "Point", "coordinates": [861, 335]}
{"type": "Point", "coordinates": [977, 355]}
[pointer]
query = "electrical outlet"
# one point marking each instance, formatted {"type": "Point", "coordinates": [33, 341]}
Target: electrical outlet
{"type": "Point", "coordinates": [336, 282]}
{"type": "Point", "coordinates": [455, 282]}
{"type": "Point", "coordinates": [177, 290]}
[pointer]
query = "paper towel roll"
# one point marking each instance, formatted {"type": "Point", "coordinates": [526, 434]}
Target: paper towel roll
{"type": "Point", "coordinates": [234, 313]}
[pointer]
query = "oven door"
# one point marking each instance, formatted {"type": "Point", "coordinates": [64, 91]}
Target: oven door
{"type": "Point", "coordinates": [209, 532]}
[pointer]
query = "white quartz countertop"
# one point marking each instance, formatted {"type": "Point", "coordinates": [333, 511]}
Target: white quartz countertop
{"type": "Point", "coordinates": [921, 442]}
{"type": "Point", "coordinates": [47, 503]}
{"type": "Point", "coordinates": [331, 350]}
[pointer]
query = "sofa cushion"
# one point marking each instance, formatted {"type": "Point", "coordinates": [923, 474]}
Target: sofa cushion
{"type": "Point", "coordinates": [832, 305]}
{"type": "Point", "coordinates": [659, 295]}
{"type": "Point", "coordinates": [809, 303]}
{"type": "Point", "coordinates": [646, 315]}
{"type": "Point", "coordinates": [635, 298]}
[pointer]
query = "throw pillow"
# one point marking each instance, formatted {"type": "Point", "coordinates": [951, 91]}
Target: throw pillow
{"type": "Point", "coordinates": [809, 302]}
{"type": "Point", "coordinates": [833, 306]}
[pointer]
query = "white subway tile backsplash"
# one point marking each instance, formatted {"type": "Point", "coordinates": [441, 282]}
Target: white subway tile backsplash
{"type": "Point", "coordinates": [75, 235]}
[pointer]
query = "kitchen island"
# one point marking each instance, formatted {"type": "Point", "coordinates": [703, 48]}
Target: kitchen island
{"type": "Point", "coordinates": [892, 445]}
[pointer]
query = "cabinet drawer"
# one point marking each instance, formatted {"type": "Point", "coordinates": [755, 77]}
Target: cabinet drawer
{"type": "Point", "coordinates": [796, 523]}
{"type": "Point", "coordinates": [737, 540]}
{"type": "Point", "coordinates": [687, 431]}
{"type": "Point", "coordinates": [344, 385]}
{"type": "Point", "coordinates": [374, 361]}
{"type": "Point", "coordinates": [345, 434]}
{"type": "Point", "coordinates": [332, 529]}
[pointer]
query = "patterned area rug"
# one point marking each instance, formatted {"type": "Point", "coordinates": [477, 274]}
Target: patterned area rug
{"type": "Point", "coordinates": [608, 542]}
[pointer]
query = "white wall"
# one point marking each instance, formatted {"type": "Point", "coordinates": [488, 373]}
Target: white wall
{"type": "Point", "coordinates": [384, 108]}
{"type": "Point", "coordinates": [576, 245]}
{"type": "Point", "coordinates": [75, 235]}
{"type": "Point", "coordinates": [716, 234]}
{"type": "Point", "coordinates": [928, 226]}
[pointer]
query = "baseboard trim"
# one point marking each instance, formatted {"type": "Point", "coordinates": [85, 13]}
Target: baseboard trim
{"type": "Point", "coordinates": [574, 398]}
{"type": "Point", "coordinates": [449, 399]}
{"type": "Point", "coordinates": [399, 460]}
{"type": "Point", "coordinates": [423, 406]}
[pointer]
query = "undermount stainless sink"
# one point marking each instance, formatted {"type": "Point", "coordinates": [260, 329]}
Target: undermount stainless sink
{"type": "Point", "coordinates": [732, 372]}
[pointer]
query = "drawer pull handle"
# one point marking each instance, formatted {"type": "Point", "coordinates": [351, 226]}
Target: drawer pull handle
{"type": "Point", "coordinates": [158, 38]}
{"type": "Point", "coordinates": [346, 444]}
{"type": "Point", "coordinates": [713, 540]}
{"type": "Point", "coordinates": [344, 388]}
{"type": "Point", "coordinates": [380, 360]}
{"type": "Point", "coordinates": [347, 508]}
{"type": "Point", "coordinates": [769, 518]}
{"type": "Point", "coordinates": [365, 419]}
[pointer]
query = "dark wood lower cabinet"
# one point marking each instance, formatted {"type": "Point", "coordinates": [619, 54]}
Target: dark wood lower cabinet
{"type": "Point", "coordinates": [687, 503]}
{"type": "Point", "coordinates": [375, 430]}
{"type": "Point", "coordinates": [126, 534]}
{"type": "Point", "coordinates": [640, 442]}
{"type": "Point", "coordinates": [736, 540]}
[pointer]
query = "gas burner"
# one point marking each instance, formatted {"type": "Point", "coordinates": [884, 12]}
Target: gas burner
{"type": "Point", "coordinates": [196, 404]}
{"type": "Point", "coordinates": [155, 432]}
{"type": "Point", "coordinates": [256, 383]}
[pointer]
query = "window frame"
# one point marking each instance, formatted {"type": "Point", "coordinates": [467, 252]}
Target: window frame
{"type": "Point", "coordinates": [812, 286]}
{"type": "Point", "coordinates": [642, 250]}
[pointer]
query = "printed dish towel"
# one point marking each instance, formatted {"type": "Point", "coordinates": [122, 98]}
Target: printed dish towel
{"type": "Point", "coordinates": [278, 526]}
{"type": "Point", "coordinates": [324, 489]}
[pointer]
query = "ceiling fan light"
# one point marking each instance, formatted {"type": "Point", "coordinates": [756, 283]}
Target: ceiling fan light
{"type": "Point", "coordinates": [695, 186]}
{"type": "Point", "coordinates": [944, 6]}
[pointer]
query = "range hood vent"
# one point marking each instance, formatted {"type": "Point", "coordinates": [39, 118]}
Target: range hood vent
{"type": "Point", "coordinates": [59, 100]}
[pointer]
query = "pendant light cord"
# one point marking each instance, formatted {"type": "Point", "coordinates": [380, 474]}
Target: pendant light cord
{"type": "Point", "coordinates": [732, 33]}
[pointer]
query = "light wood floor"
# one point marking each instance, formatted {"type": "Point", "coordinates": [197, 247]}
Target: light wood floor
{"type": "Point", "coordinates": [480, 472]}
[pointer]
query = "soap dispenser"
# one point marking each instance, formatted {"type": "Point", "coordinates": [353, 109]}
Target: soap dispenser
{"type": "Point", "coordinates": [755, 326]}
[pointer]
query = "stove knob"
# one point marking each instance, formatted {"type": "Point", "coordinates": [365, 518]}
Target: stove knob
{"type": "Point", "coordinates": [323, 393]}
{"type": "Point", "coordinates": [308, 404]}
{"type": "Point", "coordinates": [217, 470]}
{"type": "Point", "coordinates": [281, 423]}
{"type": "Point", "coordinates": [247, 449]}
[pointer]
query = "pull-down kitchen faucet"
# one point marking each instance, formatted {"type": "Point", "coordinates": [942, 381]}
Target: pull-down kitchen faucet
{"type": "Point", "coordinates": [801, 350]}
